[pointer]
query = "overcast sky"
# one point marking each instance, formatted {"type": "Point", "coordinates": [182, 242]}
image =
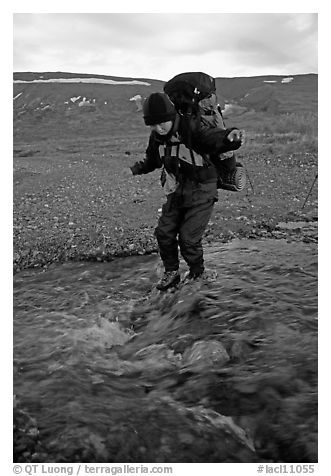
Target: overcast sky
{"type": "Point", "coordinates": [160, 45]}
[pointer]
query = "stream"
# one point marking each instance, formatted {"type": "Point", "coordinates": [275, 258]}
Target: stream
{"type": "Point", "coordinates": [106, 370]}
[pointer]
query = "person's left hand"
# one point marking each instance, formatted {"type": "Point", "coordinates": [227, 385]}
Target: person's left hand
{"type": "Point", "coordinates": [236, 136]}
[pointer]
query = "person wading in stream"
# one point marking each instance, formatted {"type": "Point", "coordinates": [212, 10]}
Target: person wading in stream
{"type": "Point", "coordinates": [189, 180]}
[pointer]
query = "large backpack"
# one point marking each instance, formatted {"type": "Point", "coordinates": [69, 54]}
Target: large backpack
{"type": "Point", "coordinates": [195, 99]}
{"type": "Point", "coordinates": [186, 90]}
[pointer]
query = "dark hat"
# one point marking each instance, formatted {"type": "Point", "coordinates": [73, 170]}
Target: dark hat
{"type": "Point", "coordinates": [158, 108]}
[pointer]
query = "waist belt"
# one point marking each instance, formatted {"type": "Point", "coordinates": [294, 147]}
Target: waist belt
{"type": "Point", "coordinates": [206, 174]}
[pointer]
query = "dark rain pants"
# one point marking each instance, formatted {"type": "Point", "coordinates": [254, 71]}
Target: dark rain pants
{"type": "Point", "coordinates": [184, 218]}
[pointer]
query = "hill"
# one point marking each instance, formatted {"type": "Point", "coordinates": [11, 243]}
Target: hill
{"type": "Point", "coordinates": [49, 104]}
{"type": "Point", "coordinates": [293, 93]}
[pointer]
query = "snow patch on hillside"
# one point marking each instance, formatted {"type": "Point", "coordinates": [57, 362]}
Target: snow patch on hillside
{"type": "Point", "coordinates": [84, 80]}
{"type": "Point", "coordinates": [138, 100]}
{"type": "Point", "coordinates": [86, 102]}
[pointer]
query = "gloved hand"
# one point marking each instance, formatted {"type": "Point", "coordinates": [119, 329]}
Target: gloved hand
{"type": "Point", "coordinates": [237, 136]}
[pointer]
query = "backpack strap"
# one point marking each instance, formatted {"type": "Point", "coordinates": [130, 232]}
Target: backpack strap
{"type": "Point", "coordinates": [189, 143]}
{"type": "Point", "coordinates": [168, 154]}
{"type": "Point", "coordinates": [220, 112]}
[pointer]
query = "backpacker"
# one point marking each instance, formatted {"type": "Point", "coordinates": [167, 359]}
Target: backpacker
{"type": "Point", "coordinates": [194, 96]}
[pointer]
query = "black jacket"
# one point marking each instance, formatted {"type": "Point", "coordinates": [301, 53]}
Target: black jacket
{"type": "Point", "coordinates": [204, 142]}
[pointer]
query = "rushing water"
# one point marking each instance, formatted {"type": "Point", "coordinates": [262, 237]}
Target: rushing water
{"type": "Point", "coordinates": [110, 371]}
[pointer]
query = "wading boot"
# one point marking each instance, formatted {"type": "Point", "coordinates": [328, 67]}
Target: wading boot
{"type": "Point", "coordinates": [204, 276]}
{"type": "Point", "coordinates": [168, 280]}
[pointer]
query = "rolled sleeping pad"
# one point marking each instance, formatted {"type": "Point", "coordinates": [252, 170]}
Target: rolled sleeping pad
{"type": "Point", "coordinates": [234, 180]}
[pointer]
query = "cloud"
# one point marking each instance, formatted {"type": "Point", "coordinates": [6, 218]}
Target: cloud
{"type": "Point", "coordinates": [158, 45]}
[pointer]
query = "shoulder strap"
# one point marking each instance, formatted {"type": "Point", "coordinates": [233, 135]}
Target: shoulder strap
{"type": "Point", "coordinates": [168, 153]}
{"type": "Point", "coordinates": [189, 143]}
